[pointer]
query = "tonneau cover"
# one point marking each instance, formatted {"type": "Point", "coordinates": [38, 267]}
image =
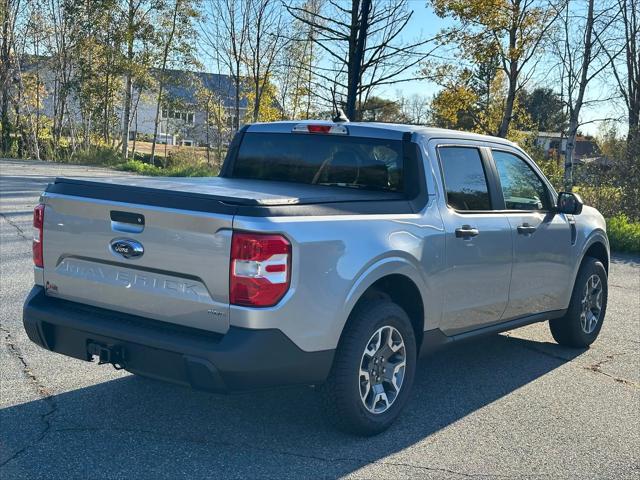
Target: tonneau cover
{"type": "Point", "coordinates": [207, 190]}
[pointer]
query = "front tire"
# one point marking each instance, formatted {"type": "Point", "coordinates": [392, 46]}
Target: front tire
{"type": "Point", "coordinates": [582, 323]}
{"type": "Point", "coordinates": [373, 371]}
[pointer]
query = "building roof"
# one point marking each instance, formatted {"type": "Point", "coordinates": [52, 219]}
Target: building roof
{"type": "Point", "coordinates": [551, 135]}
{"type": "Point", "coordinates": [183, 85]}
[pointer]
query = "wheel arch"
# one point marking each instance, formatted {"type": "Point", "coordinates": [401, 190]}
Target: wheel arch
{"type": "Point", "coordinates": [399, 281]}
{"type": "Point", "coordinates": [596, 246]}
{"type": "Point", "coordinates": [598, 250]}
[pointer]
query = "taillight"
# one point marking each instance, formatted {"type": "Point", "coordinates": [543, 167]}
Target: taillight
{"type": "Point", "coordinates": [260, 269]}
{"type": "Point", "coordinates": [38, 224]}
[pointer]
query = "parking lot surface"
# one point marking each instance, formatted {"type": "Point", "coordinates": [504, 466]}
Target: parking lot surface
{"type": "Point", "coordinates": [514, 405]}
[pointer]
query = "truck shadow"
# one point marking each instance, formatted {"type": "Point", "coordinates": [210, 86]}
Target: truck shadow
{"type": "Point", "coordinates": [142, 428]}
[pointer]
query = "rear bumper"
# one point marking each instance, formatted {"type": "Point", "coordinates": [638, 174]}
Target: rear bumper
{"type": "Point", "coordinates": [238, 360]}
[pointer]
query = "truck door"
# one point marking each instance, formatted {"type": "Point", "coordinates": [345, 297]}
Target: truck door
{"type": "Point", "coordinates": [542, 240]}
{"type": "Point", "coordinates": [478, 240]}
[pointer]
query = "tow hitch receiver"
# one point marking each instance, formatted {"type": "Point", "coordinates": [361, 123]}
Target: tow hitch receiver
{"type": "Point", "coordinates": [113, 354]}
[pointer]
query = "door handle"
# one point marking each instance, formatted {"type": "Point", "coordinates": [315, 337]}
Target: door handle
{"type": "Point", "coordinates": [126, 222]}
{"type": "Point", "coordinates": [466, 231]}
{"type": "Point", "coordinates": [526, 229]}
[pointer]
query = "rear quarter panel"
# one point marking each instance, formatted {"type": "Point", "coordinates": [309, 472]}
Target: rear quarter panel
{"type": "Point", "coordinates": [335, 259]}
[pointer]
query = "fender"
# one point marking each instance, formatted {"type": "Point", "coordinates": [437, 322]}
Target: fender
{"type": "Point", "coordinates": [596, 236]}
{"type": "Point", "coordinates": [394, 265]}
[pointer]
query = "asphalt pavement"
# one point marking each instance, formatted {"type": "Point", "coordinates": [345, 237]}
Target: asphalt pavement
{"type": "Point", "coordinates": [514, 405]}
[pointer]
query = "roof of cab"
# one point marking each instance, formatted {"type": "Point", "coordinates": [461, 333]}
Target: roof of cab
{"type": "Point", "coordinates": [379, 130]}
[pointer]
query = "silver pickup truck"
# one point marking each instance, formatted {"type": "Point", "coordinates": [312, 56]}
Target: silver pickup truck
{"type": "Point", "coordinates": [328, 254]}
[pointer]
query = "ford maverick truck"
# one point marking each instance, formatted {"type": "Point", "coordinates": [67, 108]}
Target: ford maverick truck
{"type": "Point", "coordinates": [327, 254]}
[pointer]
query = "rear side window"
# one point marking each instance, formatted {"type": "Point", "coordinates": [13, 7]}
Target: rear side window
{"type": "Point", "coordinates": [464, 178]}
{"type": "Point", "coordinates": [356, 162]}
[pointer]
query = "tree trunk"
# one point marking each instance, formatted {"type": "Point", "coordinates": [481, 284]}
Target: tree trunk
{"type": "Point", "coordinates": [507, 114]}
{"type": "Point", "coordinates": [207, 131]}
{"type": "Point", "coordinates": [633, 137]}
{"type": "Point", "coordinates": [156, 121]}
{"type": "Point", "coordinates": [165, 57]}
{"type": "Point", "coordinates": [5, 77]}
{"type": "Point", "coordinates": [236, 120]}
{"type": "Point", "coordinates": [128, 83]}
{"type": "Point", "coordinates": [256, 68]}
{"type": "Point", "coordinates": [574, 113]}
{"type": "Point", "coordinates": [19, 125]}
{"type": "Point", "coordinates": [568, 154]}
{"type": "Point", "coordinates": [357, 40]}
{"type": "Point", "coordinates": [105, 110]}
{"type": "Point", "coordinates": [309, 75]}
{"type": "Point", "coordinates": [133, 146]}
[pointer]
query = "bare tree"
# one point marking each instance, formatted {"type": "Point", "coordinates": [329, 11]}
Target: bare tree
{"type": "Point", "coordinates": [626, 68]}
{"type": "Point", "coordinates": [363, 43]}
{"type": "Point", "coordinates": [216, 116]}
{"type": "Point", "coordinates": [295, 68]}
{"type": "Point", "coordinates": [137, 15]}
{"type": "Point", "coordinates": [582, 59]}
{"type": "Point", "coordinates": [174, 33]}
{"type": "Point", "coordinates": [8, 15]}
{"type": "Point", "coordinates": [61, 64]}
{"type": "Point", "coordinates": [414, 108]}
{"type": "Point", "coordinates": [225, 35]}
{"type": "Point", "coordinates": [266, 40]}
{"type": "Point", "coordinates": [29, 91]}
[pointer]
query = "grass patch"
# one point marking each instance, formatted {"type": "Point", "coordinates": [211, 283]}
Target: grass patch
{"type": "Point", "coordinates": [181, 170]}
{"type": "Point", "coordinates": [624, 235]}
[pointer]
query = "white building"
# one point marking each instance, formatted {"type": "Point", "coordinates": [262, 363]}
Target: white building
{"type": "Point", "coordinates": [183, 114]}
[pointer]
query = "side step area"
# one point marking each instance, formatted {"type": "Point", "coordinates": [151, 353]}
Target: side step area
{"type": "Point", "coordinates": [436, 339]}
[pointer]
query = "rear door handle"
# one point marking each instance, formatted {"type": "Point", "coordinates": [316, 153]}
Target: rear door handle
{"type": "Point", "coordinates": [466, 231]}
{"type": "Point", "coordinates": [526, 229]}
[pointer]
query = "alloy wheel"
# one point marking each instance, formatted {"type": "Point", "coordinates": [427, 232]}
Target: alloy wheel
{"type": "Point", "coordinates": [591, 304]}
{"type": "Point", "coordinates": [382, 369]}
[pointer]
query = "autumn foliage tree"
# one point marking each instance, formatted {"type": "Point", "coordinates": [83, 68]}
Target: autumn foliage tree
{"type": "Point", "coordinates": [511, 31]}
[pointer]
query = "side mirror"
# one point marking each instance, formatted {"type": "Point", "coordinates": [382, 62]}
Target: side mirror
{"type": "Point", "coordinates": [569, 203]}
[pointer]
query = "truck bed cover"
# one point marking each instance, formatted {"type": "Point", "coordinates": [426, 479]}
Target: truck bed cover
{"type": "Point", "coordinates": [217, 194]}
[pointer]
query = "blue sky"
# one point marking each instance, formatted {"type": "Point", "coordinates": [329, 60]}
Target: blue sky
{"type": "Point", "coordinates": [423, 24]}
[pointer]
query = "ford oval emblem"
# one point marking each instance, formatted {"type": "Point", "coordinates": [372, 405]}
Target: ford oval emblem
{"type": "Point", "coordinates": [127, 248]}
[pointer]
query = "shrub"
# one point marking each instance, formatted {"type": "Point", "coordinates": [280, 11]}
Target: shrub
{"type": "Point", "coordinates": [183, 157]}
{"type": "Point", "coordinates": [624, 235]}
{"type": "Point", "coordinates": [605, 198]}
{"type": "Point", "coordinates": [200, 170]}
{"type": "Point", "coordinates": [553, 171]}
{"type": "Point", "coordinates": [95, 155]}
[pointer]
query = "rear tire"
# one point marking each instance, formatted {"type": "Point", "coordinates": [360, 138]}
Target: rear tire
{"type": "Point", "coordinates": [368, 385]}
{"type": "Point", "coordinates": [582, 323]}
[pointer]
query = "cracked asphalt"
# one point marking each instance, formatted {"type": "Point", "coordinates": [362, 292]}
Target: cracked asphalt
{"type": "Point", "coordinates": [514, 405]}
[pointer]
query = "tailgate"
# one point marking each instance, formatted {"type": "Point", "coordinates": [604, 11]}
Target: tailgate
{"type": "Point", "coordinates": [182, 275]}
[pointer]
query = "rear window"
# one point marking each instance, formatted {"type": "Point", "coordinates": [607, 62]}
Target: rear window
{"type": "Point", "coordinates": [356, 162]}
{"type": "Point", "coordinates": [464, 178]}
